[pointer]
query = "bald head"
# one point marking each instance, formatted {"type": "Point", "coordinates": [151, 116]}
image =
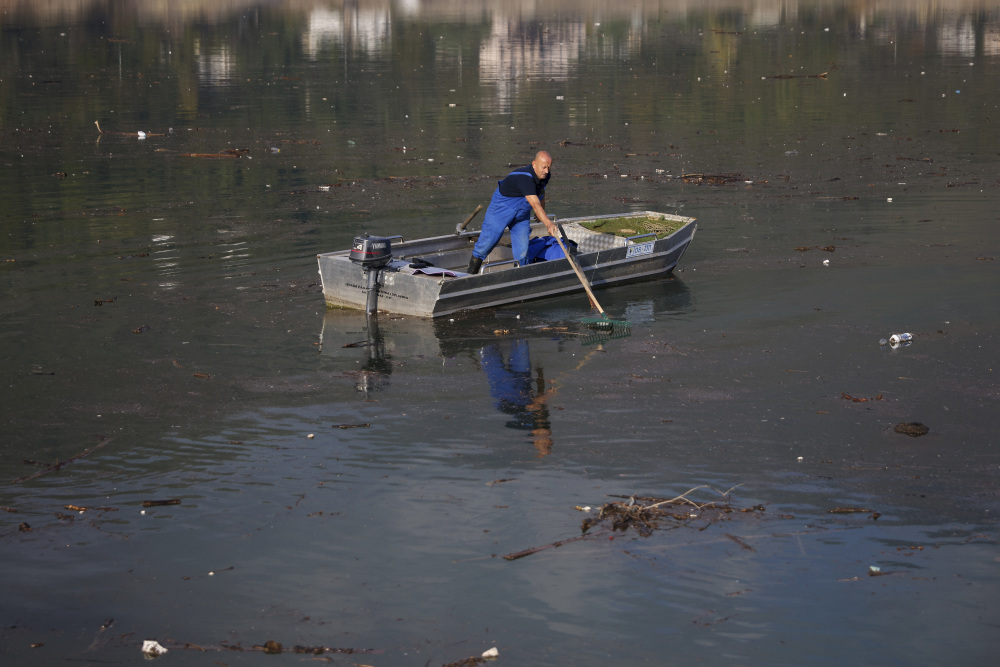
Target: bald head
{"type": "Point", "coordinates": [542, 164]}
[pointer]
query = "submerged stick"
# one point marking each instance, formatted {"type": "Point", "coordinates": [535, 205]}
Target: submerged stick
{"type": "Point", "coordinates": [535, 550]}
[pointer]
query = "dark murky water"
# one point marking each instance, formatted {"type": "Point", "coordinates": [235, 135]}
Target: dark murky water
{"type": "Point", "coordinates": [164, 336]}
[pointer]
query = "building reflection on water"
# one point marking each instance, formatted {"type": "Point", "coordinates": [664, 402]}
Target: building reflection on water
{"type": "Point", "coordinates": [520, 41]}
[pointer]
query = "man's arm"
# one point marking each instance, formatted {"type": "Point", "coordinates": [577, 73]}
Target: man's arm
{"type": "Point", "coordinates": [538, 206]}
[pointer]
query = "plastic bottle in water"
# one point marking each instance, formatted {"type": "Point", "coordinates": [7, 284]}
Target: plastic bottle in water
{"type": "Point", "coordinates": [896, 339]}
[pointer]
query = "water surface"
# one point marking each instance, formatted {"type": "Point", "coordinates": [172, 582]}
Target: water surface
{"type": "Point", "coordinates": [165, 338]}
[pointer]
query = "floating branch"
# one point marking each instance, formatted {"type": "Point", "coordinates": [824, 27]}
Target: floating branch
{"type": "Point", "coordinates": [849, 510]}
{"type": "Point", "coordinates": [161, 503]}
{"type": "Point", "coordinates": [78, 508]}
{"type": "Point", "coordinates": [273, 647]}
{"type": "Point", "coordinates": [231, 153]}
{"type": "Point", "coordinates": [56, 466]}
{"type": "Point", "coordinates": [646, 514]}
{"type": "Point", "coordinates": [821, 75]}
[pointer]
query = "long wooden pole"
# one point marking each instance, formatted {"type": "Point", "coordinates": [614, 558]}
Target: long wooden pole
{"type": "Point", "coordinates": [583, 278]}
{"type": "Point", "coordinates": [461, 226]}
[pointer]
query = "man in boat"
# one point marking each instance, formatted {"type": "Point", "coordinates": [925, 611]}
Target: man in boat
{"type": "Point", "coordinates": [517, 196]}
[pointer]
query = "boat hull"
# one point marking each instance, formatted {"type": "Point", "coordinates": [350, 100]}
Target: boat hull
{"type": "Point", "coordinates": [405, 291]}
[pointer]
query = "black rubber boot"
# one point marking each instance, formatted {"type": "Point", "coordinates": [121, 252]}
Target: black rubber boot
{"type": "Point", "coordinates": [474, 265]}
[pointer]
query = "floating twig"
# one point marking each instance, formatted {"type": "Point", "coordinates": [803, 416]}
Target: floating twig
{"type": "Point", "coordinates": [856, 399]}
{"type": "Point", "coordinates": [229, 153]}
{"type": "Point", "coordinates": [551, 545]}
{"type": "Point", "coordinates": [274, 647]}
{"type": "Point", "coordinates": [161, 503]}
{"type": "Point", "coordinates": [821, 75]}
{"type": "Point", "coordinates": [78, 508]}
{"type": "Point", "coordinates": [848, 510]}
{"type": "Point", "coordinates": [56, 466]}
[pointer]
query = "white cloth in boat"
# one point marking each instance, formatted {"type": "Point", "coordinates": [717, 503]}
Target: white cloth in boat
{"type": "Point", "coordinates": [438, 271]}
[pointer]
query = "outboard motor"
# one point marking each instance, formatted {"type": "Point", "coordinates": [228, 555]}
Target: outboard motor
{"type": "Point", "coordinates": [373, 253]}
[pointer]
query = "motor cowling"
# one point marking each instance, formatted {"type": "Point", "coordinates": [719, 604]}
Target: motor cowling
{"type": "Point", "coordinates": [371, 252]}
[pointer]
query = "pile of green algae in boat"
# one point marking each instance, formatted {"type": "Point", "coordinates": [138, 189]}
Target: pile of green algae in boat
{"type": "Point", "coordinates": [634, 225]}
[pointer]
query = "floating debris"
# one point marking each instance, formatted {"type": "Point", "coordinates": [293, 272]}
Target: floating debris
{"type": "Point", "coordinates": [848, 510]}
{"type": "Point", "coordinates": [275, 647]}
{"type": "Point", "coordinates": [646, 514]}
{"type": "Point", "coordinates": [713, 179]}
{"type": "Point", "coordinates": [81, 509]}
{"type": "Point", "coordinates": [161, 503]}
{"type": "Point", "coordinates": [821, 75]}
{"type": "Point", "coordinates": [56, 466]}
{"type": "Point", "coordinates": [912, 429]}
{"type": "Point", "coordinates": [231, 153]}
{"type": "Point", "coordinates": [152, 649]}
{"type": "Point", "coordinates": [855, 399]}
{"type": "Point", "coordinates": [271, 647]}
{"type": "Point", "coordinates": [138, 134]}
{"type": "Point", "coordinates": [468, 662]}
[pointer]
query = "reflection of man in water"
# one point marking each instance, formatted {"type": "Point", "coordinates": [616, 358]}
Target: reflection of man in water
{"type": "Point", "coordinates": [511, 388]}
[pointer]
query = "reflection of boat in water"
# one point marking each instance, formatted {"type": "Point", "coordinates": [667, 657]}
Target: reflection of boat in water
{"type": "Point", "coordinates": [498, 342]}
{"type": "Point", "coordinates": [427, 278]}
{"type": "Point", "coordinates": [353, 335]}
{"type": "Point", "coordinates": [373, 345]}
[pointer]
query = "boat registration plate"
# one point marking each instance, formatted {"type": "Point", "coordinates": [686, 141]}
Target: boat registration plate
{"type": "Point", "coordinates": [637, 249]}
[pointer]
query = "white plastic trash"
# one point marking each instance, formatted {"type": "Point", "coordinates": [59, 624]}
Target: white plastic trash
{"type": "Point", "coordinates": [152, 649]}
{"type": "Point", "coordinates": [896, 339]}
{"type": "Point", "coordinates": [491, 653]}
